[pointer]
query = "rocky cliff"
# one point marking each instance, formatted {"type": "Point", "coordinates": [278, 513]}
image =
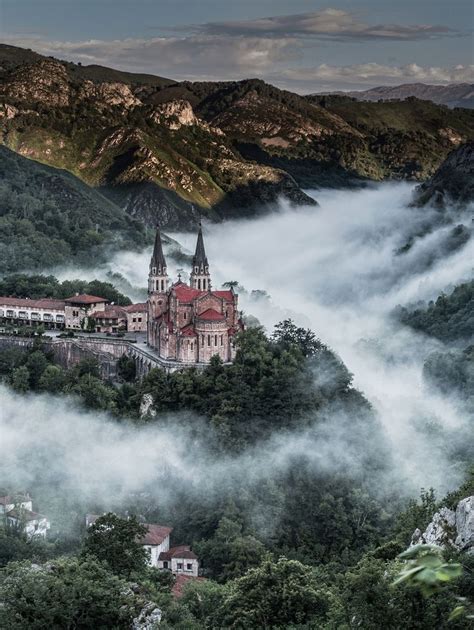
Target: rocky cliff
{"type": "Point", "coordinates": [169, 152]}
{"type": "Point", "coordinates": [453, 182]}
{"type": "Point", "coordinates": [453, 528]}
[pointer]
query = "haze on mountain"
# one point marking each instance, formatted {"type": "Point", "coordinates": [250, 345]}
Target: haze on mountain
{"type": "Point", "coordinates": [453, 95]}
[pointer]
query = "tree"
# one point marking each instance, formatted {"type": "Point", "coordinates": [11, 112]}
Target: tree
{"type": "Point", "coordinates": [287, 333]}
{"type": "Point", "coordinates": [77, 593]}
{"type": "Point", "coordinates": [20, 379]}
{"type": "Point", "coordinates": [52, 380]}
{"type": "Point", "coordinates": [274, 595]}
{"type": "Point", "coordinates": [116, 541]}
{"type": "Point", "coordinates": [229, 553]}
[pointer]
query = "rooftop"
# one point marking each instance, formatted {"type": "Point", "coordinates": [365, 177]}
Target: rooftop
{"type": "Point", "coordinates": [27, 303]}
{"type": "Point", "coordinates": [84, 298]}
{"type": "Point", "coordinates": [211, 315]}
{"type": "Point", "coordinates": [182, 551]}
{"type": "Point", "coordinates": [155, 534]}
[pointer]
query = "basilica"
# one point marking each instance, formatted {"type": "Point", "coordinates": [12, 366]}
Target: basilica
{"type": "Point", "coordinates": [190, 323]}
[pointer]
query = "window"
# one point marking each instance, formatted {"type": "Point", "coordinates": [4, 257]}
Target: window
{"type": "Point", "coordinates": [10, 313]}
{"type": "Point", "coordinates": [139, 319]}
{"type": "Point", "coordinates": [208, 340]}
{"type": "Point", "coordinates": [75, 313]}
{"type": "Point", "coordinates": [192, 345]}
{"type": "Point", "coordinates": [215, 340]}
{"type": "Point", "coordinates": [162, 285]}
{"type": "Point", "coordinates": [165, 564]}
{"type": "Point", "coordinates": [199, 283]}
{"type": "Point", "coordinates": [202, 340]}
{"type": "Point", "coordinates": [204, 284]}
{"type": "Point", "coordinates": [189, 566]}
{"type": "Point", "coordinates": [23, 314]}
{"type": "Point", "coordinates": [134, 319]}
{"type": "Point", "coordinates": [180, 566]}
{"type": "Point", "coordinates": [222, 340]}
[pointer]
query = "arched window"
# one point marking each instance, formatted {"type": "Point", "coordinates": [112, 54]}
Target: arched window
{"type": "Point", "coordinates": [204, 284]}
{"type": "Point", "coordinates": [222, 340]}
{"type": "Point", "coordinates": [215, 340]}
{"type": "Point", "coordinates": [162, 285]}
{"type": "Point", "coordinates": [208, 340]}
{"type": "Point", "coordinates": [199, 283]}
{"type": "Point", "coordinates": [192, 345]}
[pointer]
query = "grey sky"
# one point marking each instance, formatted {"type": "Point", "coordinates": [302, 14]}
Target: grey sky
{"type": "Point", "coordinates": [303, 45]}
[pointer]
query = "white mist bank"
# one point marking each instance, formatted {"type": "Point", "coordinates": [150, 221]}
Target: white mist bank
{"type": "Point", "coordinates": [333, 269]}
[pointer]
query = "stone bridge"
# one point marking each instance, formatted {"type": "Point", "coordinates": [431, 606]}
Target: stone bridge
{"type": "Point", "coordinates": [69, 351]}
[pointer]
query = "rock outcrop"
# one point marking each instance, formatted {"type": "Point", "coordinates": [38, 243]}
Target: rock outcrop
{"type": "Point", "coordinates": [453, 528]}
{"type": "Point", "coordinates": [453, 182]}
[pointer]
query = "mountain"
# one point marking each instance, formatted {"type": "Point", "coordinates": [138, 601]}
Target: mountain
{"type": "Point", "coordinates": [453, 181]}
{"type": "Point", "coordinates": [49, 217]}
{"type": "Point", "coordinates": [454, 95]}
{"type": "Point", "coordinates": [170, 152]}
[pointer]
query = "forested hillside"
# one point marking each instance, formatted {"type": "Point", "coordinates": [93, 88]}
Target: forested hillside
{"type": "Point", "coordinates": [49, 217]}
{"type": "Point", "coordinates": [283, 543]}
{"type": "Point", "coordinates": [166, 151]}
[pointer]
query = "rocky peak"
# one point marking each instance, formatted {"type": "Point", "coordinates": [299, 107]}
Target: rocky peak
{"type": "Point", "coordinates": [452, 182]}
{"type": "Point", "coordinates": [108, 94]}
{"type": "Point", "coordinates": [46, 82]}
{"type": "Point", "coordinates": [175, 114]}
{"type": "Point", "coordinates": [453, 528]}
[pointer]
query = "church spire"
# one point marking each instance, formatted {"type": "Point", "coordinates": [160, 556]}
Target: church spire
{"type": "Point", "coordinates": [200, 276]}
{"type": "Point", "coordinates": [200, 258]}
{"type": "Point", "coordinates": [158, 258]}
{"type": "Point", "coordinates": [158, 276]}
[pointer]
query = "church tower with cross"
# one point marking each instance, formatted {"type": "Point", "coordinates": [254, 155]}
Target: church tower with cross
{"type": "Point", "coordinates": [188, 324]}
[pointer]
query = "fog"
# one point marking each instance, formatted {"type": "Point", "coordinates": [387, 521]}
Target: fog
{"type": "Point", "coordinates": [334, 269]}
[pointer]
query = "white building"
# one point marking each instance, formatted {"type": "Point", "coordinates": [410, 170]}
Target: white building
{"type": "Point", "coordinates": [179, 560]}
{"type": "Point", "coordinates": [18, 513]}
{"type": "Point", "coordinates": [49, 313]}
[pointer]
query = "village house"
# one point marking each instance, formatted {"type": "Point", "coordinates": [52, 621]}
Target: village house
{"type": "Point", "coordinates": [191, 323]}
{"type": "Point", "coordinates": [79, 308]}
{"type": "Point", "coordinates": [17, 512]}
{"type": "Point", "coordinates": [179, 560]}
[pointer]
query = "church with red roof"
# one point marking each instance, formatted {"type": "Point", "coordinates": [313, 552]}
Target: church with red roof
{"type": "Point", "coordinates": [190, 323]}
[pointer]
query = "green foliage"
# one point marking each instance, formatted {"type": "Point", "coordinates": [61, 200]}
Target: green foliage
{"type": "Point", "coordinates": [229, 553]}
{"type": "Point", "coordinates": [67, 593]}
{"type": "Point", "coordinates": [115, 541]}
{"type": "Point", "coordinates": [426, 569]}
{"type": "Point", "coordinates": [449, 318]}
{"type": "Point", "coordinates": [48, 217]}
{"type": "Point", "coordinates": [40, 286]}
{"type": "Point", "coordinates": [274, 595]}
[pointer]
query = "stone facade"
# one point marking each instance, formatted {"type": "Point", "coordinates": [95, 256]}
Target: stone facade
{"type": "Point", "coordinates": [190, 323]}
{"type": "Point", "coordinates": [80, 307]}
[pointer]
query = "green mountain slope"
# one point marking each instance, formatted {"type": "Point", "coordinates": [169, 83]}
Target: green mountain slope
{"type": "Point", "coordinates": [169, 152]}
{"type": "Point", "coordinates": [49, 217]}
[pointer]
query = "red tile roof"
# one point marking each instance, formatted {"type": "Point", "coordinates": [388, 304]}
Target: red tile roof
{"type": "Point", "coordinates": [111, 312]}
{"type": "Point", "coordinates": [188, 331]}
{"type": "Point", "coordinates": [84, 298]}
{"type": "Point", "coordinates": [185, 293]}
{"type": "Point", "coordinates": [142, 307]}
{"type": "Point", "coordinates": [182, 551]}
{"type": "Point", "coordinates": [25, 515]}
{"type": "Point", "coordinates": [211, 315]}
{"type": "Point", "coordinates": [226, 295]}
{"type": "Point", "coordinates": [26, 302]}
{"type": "Point", "coordinates": [180, 583]}
{"type": "Point", "coordinates": [155, 534]}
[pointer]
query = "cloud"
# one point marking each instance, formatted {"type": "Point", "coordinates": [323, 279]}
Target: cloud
{"type": "Point", "coordinates": [191, 57]}
{"type": "Point", "coordinates": [358, 76]}
{"type": "Point", "coordinates": [328, 23]}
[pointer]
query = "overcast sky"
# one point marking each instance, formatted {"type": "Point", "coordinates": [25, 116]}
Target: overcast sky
{"type": "Point", "coordinates": [302, 45]}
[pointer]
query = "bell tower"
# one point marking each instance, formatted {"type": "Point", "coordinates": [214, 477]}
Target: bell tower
{"type": "Point", "coordinates": [200, 277]}
{"type": "Point", "coordinates": [158, 275]}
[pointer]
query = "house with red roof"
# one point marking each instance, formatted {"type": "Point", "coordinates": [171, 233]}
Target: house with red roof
{"type": "Point", "coordinates": [178, 560]}
{"type": "Point", "coordinates": [190, 323]}
{"type": "Point", "coordinates": [18, 513]}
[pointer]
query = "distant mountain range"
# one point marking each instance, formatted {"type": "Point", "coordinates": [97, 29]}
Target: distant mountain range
{"type": "Point", "coordinates": [167, 152]}
{"type": "Point", "coordinates": [455, 95]}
